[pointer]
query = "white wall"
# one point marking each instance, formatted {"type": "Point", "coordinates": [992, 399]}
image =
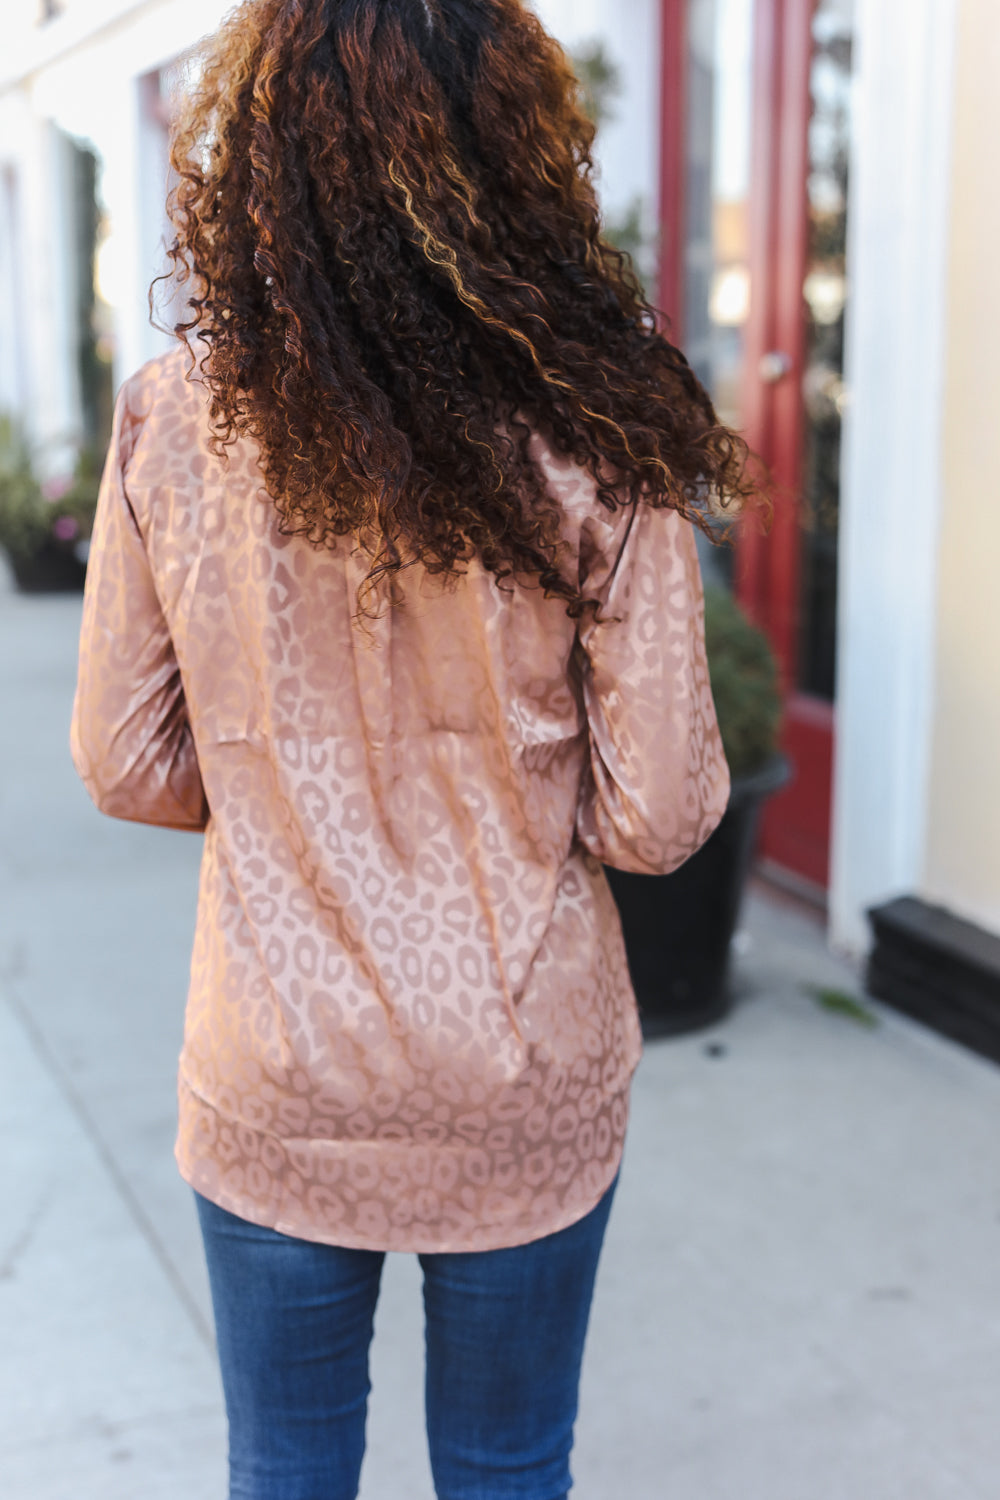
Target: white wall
{"type": "Point", "coordinates": [111, 118]}
{"type": "Point", "coordinates": [13, 350]}
{"type": "Point", "coordinates": [892, 470]}
{"type": "Point", "coordinates": [82, 74]}
{"type": "Point", "coordinates": [628, 145]}
{"type": "Point", "coordinates": [39, 367]}
{"type": "Point", "coordinates": [962, 860]}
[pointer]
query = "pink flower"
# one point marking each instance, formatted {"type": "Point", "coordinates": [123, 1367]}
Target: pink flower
{"type": "Point", "coordinates": [54, 489]}
{"type": "Point", "coordinates": [65, 528]}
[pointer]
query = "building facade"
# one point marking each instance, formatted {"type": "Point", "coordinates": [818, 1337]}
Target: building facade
{"type": "Point", "coordinates": [813, 185]}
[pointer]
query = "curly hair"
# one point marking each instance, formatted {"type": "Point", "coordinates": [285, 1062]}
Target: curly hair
{"type": "Point", "coordinates": [388, 234]}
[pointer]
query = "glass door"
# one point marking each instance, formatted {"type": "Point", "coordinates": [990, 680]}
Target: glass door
{"type": "Point", "coordinates": [796, 386]}
{"type": "Point", "coordinates": [756, 125]}
{"type": "Point", "coordinates": [825, 298]}
{"type": "Point", "coordinates": [716, 292]}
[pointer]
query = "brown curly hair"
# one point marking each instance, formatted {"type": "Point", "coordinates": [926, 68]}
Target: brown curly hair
{"type": "Point", "coordinates": [388, 232]}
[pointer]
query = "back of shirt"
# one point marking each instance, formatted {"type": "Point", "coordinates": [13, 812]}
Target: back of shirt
{"type": "Point", "coordinates": [410, 1024]}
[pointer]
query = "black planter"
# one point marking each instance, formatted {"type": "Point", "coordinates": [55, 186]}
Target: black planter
{"type": "Point", "coordinates": [52, 568]}
{"type": "Point", "coordinates": [678, 928]}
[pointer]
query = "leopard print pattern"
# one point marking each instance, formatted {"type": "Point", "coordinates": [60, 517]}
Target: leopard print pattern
{"type": "Point", "coordinates": [410, 1024]}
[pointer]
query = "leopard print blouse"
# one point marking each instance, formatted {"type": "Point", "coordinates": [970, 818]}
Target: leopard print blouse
{"type": "Point", "coordinates": [410, 1024]}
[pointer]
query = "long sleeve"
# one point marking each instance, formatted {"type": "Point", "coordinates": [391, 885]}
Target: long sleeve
{"type": "Point", "coordinates": [130, 738]}
{"type": "Point", "coordinates": [658, 782]}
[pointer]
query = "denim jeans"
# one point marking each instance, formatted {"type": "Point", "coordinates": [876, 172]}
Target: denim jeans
{"type": "Point", "coordinates": [504, 1338]}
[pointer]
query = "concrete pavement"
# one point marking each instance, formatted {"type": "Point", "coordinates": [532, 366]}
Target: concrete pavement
{"type": "Point", "coordinates": [800, 1292]}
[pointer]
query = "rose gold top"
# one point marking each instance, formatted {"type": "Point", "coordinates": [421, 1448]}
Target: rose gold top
{"type": "Point", "coordinates": [410, 1024]}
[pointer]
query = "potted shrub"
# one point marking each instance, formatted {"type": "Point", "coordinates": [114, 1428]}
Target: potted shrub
{"type": "Point", "coordinates": [45, 526]}
{"type": "Point", "coordinates": [678, 928]}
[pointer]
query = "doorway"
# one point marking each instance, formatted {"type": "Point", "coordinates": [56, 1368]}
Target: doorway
{"type": "Point", "coordinates": [756, 120]}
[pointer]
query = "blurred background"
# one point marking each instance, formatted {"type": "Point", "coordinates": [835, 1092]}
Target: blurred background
{"type": "Point", "coordinates": [809, 191]}
{"type": "Point", "coordinates": [808, 188]}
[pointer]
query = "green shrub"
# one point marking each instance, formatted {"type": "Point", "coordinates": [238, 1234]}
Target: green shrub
{"type": "Point", "coordinates": [32, 513]}
{"type": "Point", "coordinates": [745, 687]}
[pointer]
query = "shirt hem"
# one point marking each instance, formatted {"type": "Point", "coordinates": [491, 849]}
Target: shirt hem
{"type": "Point", "coordinates": [229, 1186]}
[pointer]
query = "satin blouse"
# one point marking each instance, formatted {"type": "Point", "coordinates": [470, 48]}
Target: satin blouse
{"type": "Point", "coordinates": [410, 1023]}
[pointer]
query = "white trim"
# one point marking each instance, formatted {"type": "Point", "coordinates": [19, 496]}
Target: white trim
{"type": "Point", "coordinates": [33, 47]}
{"type": "Point", "coordinates": [33, 44]}
{"type": "Point", "coordinates": [13, 374]}
{"type": "Point", "coordinates": [627, 152]}
{"type": "Point", "coordinates": [892, 475]}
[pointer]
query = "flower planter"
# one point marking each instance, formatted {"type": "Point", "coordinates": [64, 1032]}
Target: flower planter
{"type": "Point", "coordinates": [53, 568]}
{"type": "Point", "coordinates": [678, 928]}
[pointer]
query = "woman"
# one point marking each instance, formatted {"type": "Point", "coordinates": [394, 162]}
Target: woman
{"type": "Point", "coordinates": [394, 593]}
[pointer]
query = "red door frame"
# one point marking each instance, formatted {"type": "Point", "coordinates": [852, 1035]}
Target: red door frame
{"type": "Point", "coordinates": [795, 831]}
{"type": "Point", "coordinates": [673, 127]}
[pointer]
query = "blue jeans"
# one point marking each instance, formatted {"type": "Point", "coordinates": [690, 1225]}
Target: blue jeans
{"type": "Point", "coordinates": [504, 1334]}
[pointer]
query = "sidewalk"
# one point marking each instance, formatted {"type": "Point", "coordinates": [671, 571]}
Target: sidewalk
{"type": "Point", "coordinates": [800, 1292]}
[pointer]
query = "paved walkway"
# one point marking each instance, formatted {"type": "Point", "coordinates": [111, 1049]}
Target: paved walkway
{"type": "Point", "coordinates": [800, 1293]}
